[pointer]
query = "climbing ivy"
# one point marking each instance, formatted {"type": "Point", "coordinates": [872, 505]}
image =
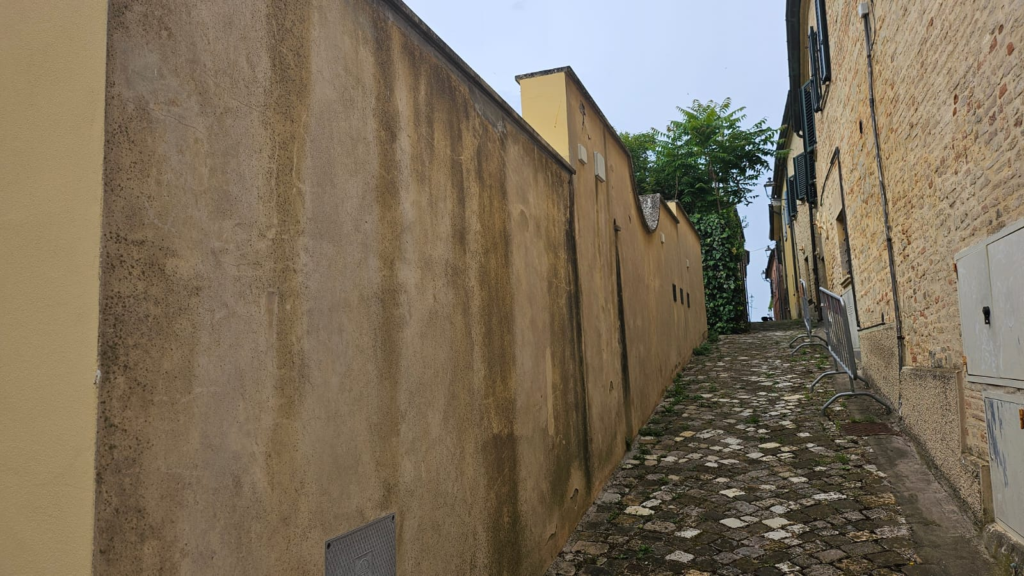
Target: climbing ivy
{"type": "Point", "coordinates": [723, 254]}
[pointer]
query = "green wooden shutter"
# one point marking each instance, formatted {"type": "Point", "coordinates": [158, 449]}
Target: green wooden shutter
{"type": "Point", "coordinates": [810, 133]}
{"type": "Point", "coordinates": [792, 189]}
{"type": "Point", "coordinates": [800, 169]}
{"type": "Point", "coordinates": [811, 179]}
{"type": "Point", "coordinates": [825, 53]}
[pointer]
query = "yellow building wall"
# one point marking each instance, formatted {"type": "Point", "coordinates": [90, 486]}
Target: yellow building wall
{"type": "Point", "coordinates": [616, 246]}
{"type": "Point", "coordinates": [544, 105]}
{"type": "Point", "coordinates": [52, 69]}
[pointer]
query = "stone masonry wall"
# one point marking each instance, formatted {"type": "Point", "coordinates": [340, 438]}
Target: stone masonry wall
{"type": "Point", "coordinates": [948, 87]}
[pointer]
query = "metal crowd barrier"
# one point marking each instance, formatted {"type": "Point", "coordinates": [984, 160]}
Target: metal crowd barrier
{"type": "Point", "coordinates": [810, 335]}
{"type": "Point", "coordinates": [840, 346]}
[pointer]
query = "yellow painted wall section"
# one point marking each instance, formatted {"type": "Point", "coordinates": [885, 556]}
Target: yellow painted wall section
{"type": "Point", "coordinates": [545, 106]}
{"type": "Point", "coordinates": [655, 271]}
{"type": "Point", "coordinates": [51, 155]}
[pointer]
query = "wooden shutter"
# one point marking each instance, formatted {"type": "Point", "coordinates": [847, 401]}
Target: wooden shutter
{"type": "Point", "coordinates": [825, 53]}
{"type": "Point", "coordinates": [792, 189]}
{"type": "Point", "coordinates": [810, 133]}
{"type": "Point", "coordinates": [811, 178]}
{"type": "Point", "coordinates": [814, 60]}
{"type": "Point", "coordinates": [800, 169]}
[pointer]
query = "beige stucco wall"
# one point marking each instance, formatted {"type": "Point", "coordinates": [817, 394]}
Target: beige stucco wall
{"type": "Point", "coordinates": [51, 159]}
{"type": "Point", "coordinates": [659, 332]}
{"type": "Point", "coordinates": [340, 280]}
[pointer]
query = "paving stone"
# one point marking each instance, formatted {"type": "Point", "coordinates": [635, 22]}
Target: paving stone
{"type": "Point", "coordinates": [829, 556]}
{"type": "Point", "coordinates": [776, 522]}
{"type": "Point", "coordinates": [862, 548]}
{"type": "Point", "coordinates": [664, 527]}
{"type": "Point", "coordinates": [821, 570]}
{"type": "Point", "coordinates": [887, 559]}
{"type": "Point", "coordinates": [679, 556]}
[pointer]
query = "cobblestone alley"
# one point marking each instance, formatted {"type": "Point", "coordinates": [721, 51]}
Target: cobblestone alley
{"type": "Point", "coordinates": [738, 472]}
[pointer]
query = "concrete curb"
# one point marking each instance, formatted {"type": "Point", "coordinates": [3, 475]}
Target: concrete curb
{"type": "Point", "coordinates": [1000, 544]}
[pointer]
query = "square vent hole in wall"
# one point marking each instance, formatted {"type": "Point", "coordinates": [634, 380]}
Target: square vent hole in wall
{"type": "Point", "coordinates": [599, 168]}
{"type": "Point", "coordinates": [366, 551]}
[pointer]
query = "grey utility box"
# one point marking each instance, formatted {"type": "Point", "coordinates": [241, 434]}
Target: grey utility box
{"type": "Point", "coordinates": [990, 278]}
{"type": "Point", "coordinates": [1004, 419]}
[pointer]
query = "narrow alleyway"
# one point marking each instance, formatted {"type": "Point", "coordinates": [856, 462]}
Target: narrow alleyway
{"type": "Point", "coordinates": [738, 472]}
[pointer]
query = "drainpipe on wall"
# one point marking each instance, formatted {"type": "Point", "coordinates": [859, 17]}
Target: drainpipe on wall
{"type": "Point", "coordinates": [814, 257]}
{"type": "Point", "coordinates": [864, 10]}
{"type": "Point", "coordinates": [796, 263]}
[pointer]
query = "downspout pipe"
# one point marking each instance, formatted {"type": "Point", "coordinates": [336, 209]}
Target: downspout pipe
{"type": "Point", "coordinates": [814, 254]}
{"type": "Point", "coordinates": [796, 263]}
{"type": "Point", "coordinates": [865, 10]}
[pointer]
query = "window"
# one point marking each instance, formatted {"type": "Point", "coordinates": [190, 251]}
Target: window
{"type": "Point", "coordinates": [673, 292]}
{"type": "Point", "coordinates": [687, 299]}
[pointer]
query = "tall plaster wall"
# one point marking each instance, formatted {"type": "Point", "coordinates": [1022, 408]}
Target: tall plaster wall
{"type": "Point", "coordinates": [51, 160]}
{"type": "Point", "coordinates": [621, 243]}
{"type": "Point", "coordinates": [336, 284]}
{"type": "Point", "coordinates": [340, 280]}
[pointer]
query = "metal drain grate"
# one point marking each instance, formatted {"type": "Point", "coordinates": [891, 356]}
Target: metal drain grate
{"type": "Point", "coordinates": [867, 429]}
{"type": "Point", "coordinates": [366, 551]}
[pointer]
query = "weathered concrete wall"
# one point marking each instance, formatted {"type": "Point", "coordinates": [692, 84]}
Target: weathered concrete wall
{"type": "Point", "coordinates": [340, 280]}
{"type": "Point", "coordinates": [51, 162]}
{"type": "Point", "coordinates": [650, 262]}
{"type": "Point", "coordinates": [949, 88]}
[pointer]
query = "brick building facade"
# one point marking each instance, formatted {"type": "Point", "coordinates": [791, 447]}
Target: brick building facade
{"type": "Point", "coordinates": [949, 107]}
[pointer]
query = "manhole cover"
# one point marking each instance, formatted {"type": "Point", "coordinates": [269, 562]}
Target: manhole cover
{"type": "Point", "coordinates": [867, 429]}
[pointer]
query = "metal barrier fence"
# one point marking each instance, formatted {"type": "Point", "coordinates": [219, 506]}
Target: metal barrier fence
{"type": "Point", "coordinates": [840, 346]}
{"type": "Point", "coordinates": [810, 335]}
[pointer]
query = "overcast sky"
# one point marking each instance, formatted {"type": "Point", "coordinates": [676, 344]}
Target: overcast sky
{"type": "Point", "coordinates": [639, 59]}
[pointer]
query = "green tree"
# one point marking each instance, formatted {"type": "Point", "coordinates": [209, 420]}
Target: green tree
{"type": "Point", "coordinates": [708, 159]}
{"type": "Point", "coordinates": [711, 163]}
{"type": "Point", "coordinates": [641, 146]}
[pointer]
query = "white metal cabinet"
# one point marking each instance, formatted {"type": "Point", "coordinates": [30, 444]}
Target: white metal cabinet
{"type": "Point", "coordinates": [1005, 423]}
{"type": "Point", "coordinates": [990, 278]}
{"type": "Point", "coordinates": [1006, 276]}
